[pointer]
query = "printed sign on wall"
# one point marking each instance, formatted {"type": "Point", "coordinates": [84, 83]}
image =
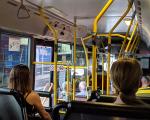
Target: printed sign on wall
{"type": "Point", "coordinates": [14, 44]}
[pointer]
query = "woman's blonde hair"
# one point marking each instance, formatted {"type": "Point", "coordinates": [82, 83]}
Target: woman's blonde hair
{"type": "Point", "coordinates": [126, 74]}
{"type": "Point", "coordinates": [19, 78]}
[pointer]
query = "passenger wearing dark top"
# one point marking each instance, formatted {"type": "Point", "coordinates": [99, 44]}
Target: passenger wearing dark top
{"type": "Point", "coordinates": [126, 74]}
{"type": "Point", "coordinates": [20, 80]}
{"type": "Point", "coordinates": [31, 110]}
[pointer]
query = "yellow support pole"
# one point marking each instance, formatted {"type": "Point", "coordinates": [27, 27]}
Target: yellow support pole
{"type": "Point", "coordinates": [127, 33]}
{"type": "Point", "coordinates": [135, 28]}
{"type": "Point", "coordinates": [94, 46]}
{"type": "Point", "coordinates": [96, 71]}
{"type": "Point", "coordinates": [55, 53]}
{"type": "Point", "coordinates": [74, 59]}
{"type": "Point", "coordinates": [109, 46]}
{"type": "Point", "coordinates": [87, 62]}
{"type": "Point", "coordinates": [100, 15]}
{"type": "Point", "coordinates": [102, 73]}
{"type": "Point", "coordinates": [94, 59]}
{"type": "Point", "coordinates": [134, 41]}
{"type": "Point", "coordinates": [68, 83]}
{"type": "Point", "coordinates": [136, 44]}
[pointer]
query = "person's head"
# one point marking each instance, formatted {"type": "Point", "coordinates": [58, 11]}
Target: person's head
{"type": "Point", "coordinates": [19, 78]}
{"type": "Point", "coordinates": [126, 74]}
{"type": "Point", "coordinates": [82, 86]}
{"type": "Point", "coordinates": [145, 81]}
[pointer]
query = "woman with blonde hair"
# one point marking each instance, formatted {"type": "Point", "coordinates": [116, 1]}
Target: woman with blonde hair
{"type": "Point", "coordinates": [126, 74]}
{"type": "Point", "coordinates": [19, 80]}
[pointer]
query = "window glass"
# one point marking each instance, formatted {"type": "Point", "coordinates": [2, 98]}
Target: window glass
{"type": "Point", "coordinates": [13, 50]}
{"type": "Point", "coordinates": [43, 71]}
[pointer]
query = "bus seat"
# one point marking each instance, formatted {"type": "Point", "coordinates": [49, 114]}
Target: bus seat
{"type": "Point", "coordinates": [9, 106]}
{"type": "Point", "coordinates": [56, 111]}
{"type": "Point", "coordinates": [111, 99]}
{"type": "Point", "coordinates": [107, 99]}
{"type": "Point", "coordinates": [105, 111]}
{"type": "Point", "coordinates": [144, 99]}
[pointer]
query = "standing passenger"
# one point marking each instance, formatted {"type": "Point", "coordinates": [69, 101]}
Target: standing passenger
{"type": "Point", "coordinates": [20, 80]}
{"type": "Point", "coordinates": [126, 74]}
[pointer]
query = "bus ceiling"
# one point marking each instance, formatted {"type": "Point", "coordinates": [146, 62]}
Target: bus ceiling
{"type": "Point", "coordinates": [61, 14]}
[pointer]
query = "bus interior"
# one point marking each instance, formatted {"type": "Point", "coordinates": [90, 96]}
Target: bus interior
{"type": "Point", "coordinates": [66, 42]}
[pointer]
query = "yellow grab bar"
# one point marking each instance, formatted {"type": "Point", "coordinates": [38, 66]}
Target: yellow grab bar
{"type": "Point", "coordinates": [55, 53]}
{"type": "Point", "coordinates": [126, 37]}
{"type": "Point", "coordinates": [74, 59]}
{"type": "Point", "coordinates": [109, 45]}
{"type": "Point", "coordinates": [134, 41]}
{"type": "Point", "coordinates": [136, 44]}
{"type": "Point", "coordinates": [94, 59]}
{"type": "Point", "coordinates": [135, 28]}
{"type": "Point", "coordinates": [68, 86]}
{"type": "Point", "coordinates": [100, 15]}
{"type": "Point", "coordinates": [47, 63]}
{"type": "Point", "coordinates": [87, 62]}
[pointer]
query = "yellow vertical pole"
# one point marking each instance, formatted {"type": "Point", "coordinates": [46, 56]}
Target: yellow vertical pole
{"type": "Point", "coordinates": [55, 53]}
{"type": "Point", "coordinates": [87, 61]}
{"type": "Point", "coordinates": [55, 70]}
{"type": "Point", "coordinates": [108, 65]}
{"type": "Point", "coordinates": [74, 59]}
{"type": "Point", "coordinates": [68, 82]}
{"type": "Point", "coordinates": [94, 59]}
{"type": "Point", "coordinates": [133, 43]}
{"type": "Point", "coordinates": [136, 45]}
{"type": "Point", "coordinates": [127, 33]}
{"type": "Point", "coordinates": [109, 45]}
{"type": "Point", "coordinates": [94, 46]}
{"type": "Point", "coordinates": [96, 71]}
{"type": "Point", "coordinates": [102, 73]}
{"type": "Point", "coordinates": [135, 28]}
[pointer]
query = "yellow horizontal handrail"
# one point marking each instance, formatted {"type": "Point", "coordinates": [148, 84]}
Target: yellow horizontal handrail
{"type": "Point", "coordinates": [106, 35]}
{"type": "Point", "coordinates": [113, 35]}
{"type": "Point", "coordinates": [47, 63]}
{"type": "Point", "coordinates": [79, 67]}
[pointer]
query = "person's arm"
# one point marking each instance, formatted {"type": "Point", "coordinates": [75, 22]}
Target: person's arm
{"type": "Point", "coordinates": [37, 103]}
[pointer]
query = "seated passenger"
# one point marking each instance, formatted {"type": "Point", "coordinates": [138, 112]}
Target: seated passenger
{"type": "Point", "coordinates": [63, 93]}
{"type": "Point", "coordinates": [20, 80]}
{"type": "Point", "coordinates": [145, 81]}
{"type": "Point", "coordinates": [144, 90]}
{"type": "Point", "coordinates": [82, 88]}
{"type": "Point", "coordinates": [126, 74]}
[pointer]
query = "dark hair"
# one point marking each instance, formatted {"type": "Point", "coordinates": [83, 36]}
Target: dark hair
{"type": "Point", "coordinates": [20, 78]}
{"type": "Point", "coordinates": [126, 74]}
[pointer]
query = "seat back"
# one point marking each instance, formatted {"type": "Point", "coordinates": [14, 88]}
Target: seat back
{"type": "Point", "coordinates": [144, 99]}
{"type": "Point", "coordinates": [105, 111]}
{"type": "Point", "coordinates": [11, 106]}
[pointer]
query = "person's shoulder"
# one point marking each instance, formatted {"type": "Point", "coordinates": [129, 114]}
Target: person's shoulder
{"type": "Point", "coordinates": [81, 94]}
{"type": "Point", "coordinates": [34, 95]}
{"type": "Point", "coordinates": [34, 98]}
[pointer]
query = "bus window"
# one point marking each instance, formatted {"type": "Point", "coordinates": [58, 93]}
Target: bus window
{"type": "Point", "coordinates": [13, 50]}
{"type": "Point", "coordinates": [42, 71]}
